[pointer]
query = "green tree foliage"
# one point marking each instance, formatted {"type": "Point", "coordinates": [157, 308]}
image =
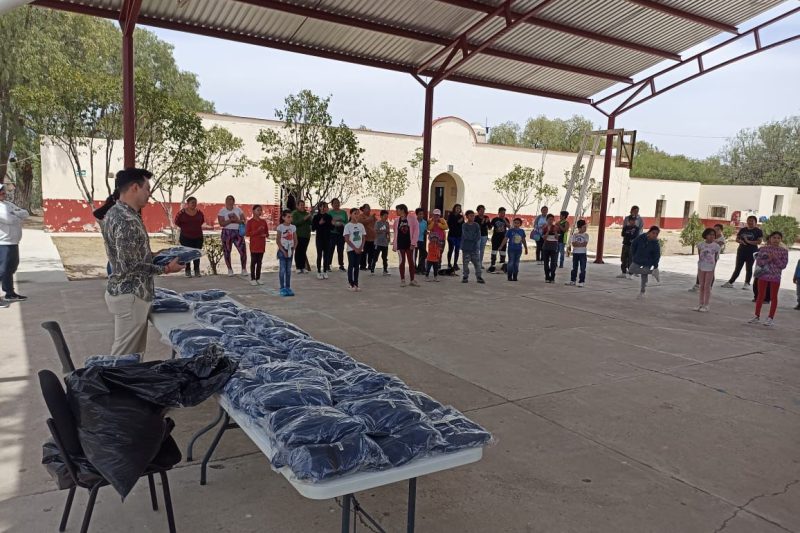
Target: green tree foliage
{"type": "Point", "coordinates": [692, 233]}
{"type": "Point", "coordinates": [386, 184]}
{"type": "Point", "coordinates": [518, 187]}
{"type": "Point", "coordinates": [652, 163]}
{"type": "Point", "coordinates": [555, 134]}
{"type": "Point", "coordinates": [309, 156]}
{"type": "Point", "coordinates": [767, 155]}
{"type": "Point", "coordinates": [213, 248]}
{"type": "Point", "coordinates": [507, 133]}
{"type": "Point", "coordinates": [785, 224]}
{"type": "Point", "coordinates": [416, 165]}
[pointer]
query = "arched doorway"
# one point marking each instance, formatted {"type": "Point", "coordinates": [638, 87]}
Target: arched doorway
{"type": "Point", "coordinates": [446, 190]}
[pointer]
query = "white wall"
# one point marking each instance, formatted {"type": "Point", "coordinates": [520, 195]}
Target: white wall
{"type": "Point", "coordinates": [645, 193]}
{"type": "Point", "coordinates": [753, 199]}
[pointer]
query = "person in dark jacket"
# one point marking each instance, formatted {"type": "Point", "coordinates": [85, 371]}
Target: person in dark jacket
{"type": "Point", "coordinates": [645, 255]}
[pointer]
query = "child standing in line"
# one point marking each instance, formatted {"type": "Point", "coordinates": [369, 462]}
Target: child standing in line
{"type": "Point", "coordinates": [551, 235]}
{"type": "Point", "coordinates": [720, 240]}
{"type": "Point", "coordinates": [580, 243]}
{"type": "Point", "coordinates": [515, 242]}
{"type": "Point", "coordinates": [500, 225]}
{"type": "Point", "coordinates": [406, 235]}
{"type": "Point", "coordinates": [470, 243]}
{"type": "Point", "coordinates": [382, 239]}
{"type": "Point", "coordinates": [287, 243]}
{"type": "Point", "coordinates": [322, 225]}
{"type": "Point", "coordinates": [257, 229]}
{"type": "Point", "coordinates": [771, 260]}
{"type": "Point", "coordinates": [354, 242]}
{"type": "Point", "coordinates": [708, 254]}
{"type": "Point", "coordinates": [563, 223]}
{"type": "Point", "coordinates": [422, 248]}
{"type": "Point", "coordinates": [436, 235]}
{"type": "Point", "coordinates": [629, 232]}
{"type": "Point", "coordinates": [796, 281]}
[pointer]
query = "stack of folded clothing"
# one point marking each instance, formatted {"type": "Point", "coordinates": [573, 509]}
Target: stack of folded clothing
{"type": "Point", "coordinates": [183, 254]}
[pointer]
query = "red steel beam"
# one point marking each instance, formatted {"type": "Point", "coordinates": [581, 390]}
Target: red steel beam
{"type": "Point", "coordinates": [300, 49]}
{"type": "Point", "coordinates": [636, 89]}
{"type": "Point", "coordinates": [680, 13]}
{"type": "Point", "coordinates": [427, 134]}
{"type": "Point", "coordinates": [127, 21]}
{"type": "Point", "coordinates": [407, 33]}
{"type": "Point", "coordinates": [601, 227]}
{"type": "Point", "coordinates": [562, 28]}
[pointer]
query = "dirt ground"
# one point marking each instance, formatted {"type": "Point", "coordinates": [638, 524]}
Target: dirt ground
{"type": "Point", "coordinates": [84, 257]}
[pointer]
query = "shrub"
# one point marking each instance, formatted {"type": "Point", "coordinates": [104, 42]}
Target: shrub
{"type": "Point", "coordinates": [213, 247]}
{"type": "Point", "coordinates": [785, 224]}
{"type": "Point", "coordinates": [692, 234]}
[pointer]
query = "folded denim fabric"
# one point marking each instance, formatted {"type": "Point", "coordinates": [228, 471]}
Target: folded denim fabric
{"type": "Point", "coordinates": [383, 416]}
{"type": "Point", "coordinates": [180, 334]}
{"type": "Point", "coordinates": [204, 296]}
{"type": "Point", "coordinates": [113, 360]}
{"type": "Point", "coordinates": [358, 383]}
{"type": "Point", "coordinates": [316, 462]}
{"type": "Point", "coordinates": [211, 314]}
{"type": "Point", "coordinates": [295, 426]}
{"type": "Point", "coordinates": [270, 397]}
{"type": "Point", "coordinates": [284, 371]}
{"type": "Point", "coordinates": [163, 292]}
{"type": "Point", "coordinates": [410, 442]}
{"type": "Point", "coordinates": [182, 253]}
{"type": "Point", "coordinates": [169, 304]}
{"type": "Point", "coordinates": [459, 432]}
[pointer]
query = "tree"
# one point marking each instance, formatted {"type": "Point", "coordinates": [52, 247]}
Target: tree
{"type": "Point", "coordinates": [386, 184]}
{"type": "Point", "coordinates": [591, 188]}
{"type": "Point", "coordinates": [555, 134]}
{"type": "Point", "coordinates": [310, 157]}
{"type": "Point", "coordinates": [785, 224]}
{"type": "Point", "coordinates": [517, 187]}
{"type": "Point", "coordinates": [416, 165]}
{"type": "Point", "coordinates": [767, 155]}
{"type": "Point", "coordinates": [543, 193]}
{"type": "Point", "coordinates": [651, 163]}
{"type": "Point", "coordinates": [507, 133]}
{"type": "Point", "coordinates": [692, 233]}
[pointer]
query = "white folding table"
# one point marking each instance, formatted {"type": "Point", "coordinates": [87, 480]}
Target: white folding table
{"type": "Point", "coordinates": [343, 486]}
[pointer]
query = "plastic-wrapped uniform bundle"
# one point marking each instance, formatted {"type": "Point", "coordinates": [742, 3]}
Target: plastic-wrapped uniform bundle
{"type": "Point", "coordinates": [383, 416]}
{"type": "Point", "coordinates": [336, 366]}
{"type": "Point", "coordinates": [183, 254]}
{"type": "Point", "coordinates": [260, 401]}
{"type": "Point", "coordinates": [240, 384]}
{"type": "Point", "coordinates": [459, 432]}
{"type": "Point", "coordinates": [261, 321]}
{"type": "Point", "coordinates": [432, 409]}
{"type": "Point", "coordinates": [161, 292]}
{"type": "Point", "coordinates": [358, 383]}
{"type": "Point", "coordinates": [282, 371]}
{"type": "Point", "coordinates": [204, 296]}
{"type": "Point", "coordinates": [235, 342]}
{"type": "Point", "coordinates": [296, 426]}
{"type": "Point", "coordinates": [257, 356]}
{"type": "Point", "coordinates": [410, 442]}
{"type": "Point", "coordinates": [306, 348]}
{"type": "Point", "coordinates": [194, 346]}
{"type": "Point", "coordinates": [113, 360]}
{"type": "Point", "coordinates": [170, 304]}
{"type": "Point", "coordinates": [181, 333]}
{"type": "Point", "coordinates": [317, 462]}
{"type": "Point", "coordinates": [278, 336]}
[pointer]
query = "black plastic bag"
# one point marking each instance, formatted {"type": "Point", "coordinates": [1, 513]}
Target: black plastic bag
{"type": "Point", "coordinates": [55, 466]}
{"type": "Point", "coordinates": [120, 411]}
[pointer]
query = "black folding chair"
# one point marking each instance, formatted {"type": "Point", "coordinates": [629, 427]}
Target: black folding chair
{"type": "Point", "coordinates": [65, 434]}
{"type": "Point", "coordinates": [62, 349]}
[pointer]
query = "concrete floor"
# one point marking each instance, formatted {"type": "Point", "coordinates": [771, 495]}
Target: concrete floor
{"type": "Point", "coordinates": [610, 414]}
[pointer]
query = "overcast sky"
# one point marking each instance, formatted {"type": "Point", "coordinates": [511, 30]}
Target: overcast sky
{"type": "Point", "coordinates": [693, 119]}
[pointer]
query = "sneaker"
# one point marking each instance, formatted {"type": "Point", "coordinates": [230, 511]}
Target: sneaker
{"type": "Point", "coordinates": [301, 271]}
{"type": "Point", "coordinates": [622, 276]}
{"type": "Point", "coordinates": [657, 275]}
{"type": "Point", "coordinates": [581, 284]}
{"type": "Point", "coordinates": [188, 274]}
{"type": "Point", "coordinates": [797, 307]}
{"type": "Point", "coordinates": [259, 282]}
{"type": "Point", "coordinates": [428, 279]}
{"type": "Point", "coordinates": [402, 283]}
{"type": "Point", "coordinates": [630, 276]}
{"type": "Point", "coordinates": [464, 280]}
{"type": "Point", "coordinates": [695, 288]}
{"type": "Point", "coordinates": [641, 296]}
{"type": "Point", "coordinates": [351, 288]}
{"type": "Point", "coordinates": [746, 286]}
{"type": "Point", "coordinates": [698, 308]}
{"type": "Point", "coordinates": [703, 309]}
{"type": "Point", "coordinates": [727, 285]}
{"type": "Point", "coordinates": [768, 322]}
{"type": "Point", "coordinates": [244, 272]}
{"type": "Point", "coordinates": [15, 297]}
{"type": "Point", "coordinates": [358, 289]}
{"type": "Point", "coordinates": [371, 272]}
{"type": "Point", "coordinates": [289, 292]}
{"type": "Point", "coordinates": [570, 283]}
{"type": "Point", "coordinates": [3, 304]}
{"type": "Point", "coordinates": [283, 292]}
{"type": "Point", "coordinates": [754, 320]}
{"type": "Point", "coordinates": [320, 276]}
{"type": "Point", "coordinates": [414, 283]}
{"type": "Point", "coordinates": [324, 275]}
{"type": "Point", "coordinates": [253, 282]}
{"type": "Point", "coordinates": [386, 273]}
{"type": "Point", "coordinates": [455, 268]}
{"type": "Point", "coordinates": [230, 272]}
{"type": "Point", "coordinates": [341, 268]}
{"type": "Point", "coordinates": [437, 280]}
{"type": "Point", "coordinates": [491, 269]}
{"type": "Point", "coordinates": [480, 280]}
{"type": "Point", "coordinates": [197, 274]}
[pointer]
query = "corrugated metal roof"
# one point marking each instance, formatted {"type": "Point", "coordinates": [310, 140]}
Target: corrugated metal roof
{"type": "Point", "coordinates": [538, 55]}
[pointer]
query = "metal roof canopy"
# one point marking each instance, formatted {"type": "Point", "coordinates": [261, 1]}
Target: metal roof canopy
{"type": "Point", "coordinates": [563, 49]}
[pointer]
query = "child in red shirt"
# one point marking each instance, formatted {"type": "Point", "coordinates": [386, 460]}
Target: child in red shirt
{"type": "Point", "coordinates": [256, 228]}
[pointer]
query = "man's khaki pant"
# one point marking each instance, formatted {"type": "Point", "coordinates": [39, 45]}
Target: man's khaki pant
{"type": "Point", "coordinates": [130, 323]}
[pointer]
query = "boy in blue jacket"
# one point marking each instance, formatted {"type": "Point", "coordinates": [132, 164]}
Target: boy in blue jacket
{"type": "Point", "coordinates": [645, 254]}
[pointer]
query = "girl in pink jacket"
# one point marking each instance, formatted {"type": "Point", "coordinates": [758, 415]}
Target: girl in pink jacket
{"type": "Point", "coordinates": [406, 235]}
{"type": "Point", "coordinates": [770, 260]}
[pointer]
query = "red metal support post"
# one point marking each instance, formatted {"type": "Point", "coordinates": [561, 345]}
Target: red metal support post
{"type": "Point", "coordinates": [601, 228]}
{"type": "Point", "coordinates": [427, 134]}
{"type": "Point", "coordinates": [127, 22]}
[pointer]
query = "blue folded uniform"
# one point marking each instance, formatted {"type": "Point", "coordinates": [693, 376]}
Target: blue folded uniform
{"type": "Point", "coordinates": [169, 304]}
{"type": "Point", "coordinates": [410, 442]}
{"type": "Point", "coordinates": [270, 397]}
{"type": "Point", "coordinates": [383, 416]}
{"type": "Point", "coordinates": [425, 403]}
{"type": "Point", "coordinates": [358, 383]}
{"type": "Point", "coordinates": [278, 336]}
{"type": "Point", "coordinates": [182, 253]}
{"type": "Point", "coordinates": [316, 462]}
{"type": "Point", "coordinates": [113, 360]}
{"type": "Point", "coordinates": [204, 296]}
{"type": "Point", "coordinates": [284, 371]}
{"type": "Point", "coordinates": [194, 346]}
{"type": "Point", "coordinates": [297, 426]}
{"type": "Point", "coordinates": [459, 432]}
